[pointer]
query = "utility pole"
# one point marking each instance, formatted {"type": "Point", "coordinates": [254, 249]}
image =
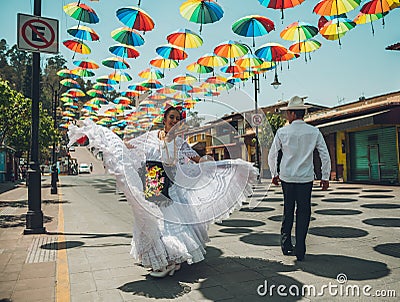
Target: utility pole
{"type": "Point", "coordinates": [54, 170]}
{"type": "Point", "coordinates": [34, 216]}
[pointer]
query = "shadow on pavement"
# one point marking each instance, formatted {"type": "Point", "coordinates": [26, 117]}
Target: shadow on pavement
{"type": "Point", "coordinates": [337, 232]}
{"type": "Point", "coordinates": [62, 245]}
{"type": "Point", "coordinates": [218, 278]}
{"type": "Point", "coordinates": [241, 223]}
{"type": "Point", "coordinates": [10, 221]}
{"type": "Point", "coordinates": [383, 222]}
{"type": "Point", "coordinates": [92, 235]}
{"type": "Point", "coordinates": [330, 266]}
{"type": "Point", "coordinates": [391, 249]}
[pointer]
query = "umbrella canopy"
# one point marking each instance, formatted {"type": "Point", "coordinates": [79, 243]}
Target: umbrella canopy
{"type": "Point", "coordinates": [124, 51]}
{"type": "Point", "coordinates": [136, 18]}
{"type": "Point", "coordinates": [248, 61]}
{"type": "Point", "coordinates": [152, 84]}
{"type": "Point", "coordinates": [337, 28]}
{"type": "Point", "coordinates": [298, 31]}
{"type": "Point", "coordinates": [95, 93]}
{"type": "Point", "coordinates": [212, 60]}
{"type": "Point", "coordinates": [171, 52]}
{"type": "Point", "coordinates": [201, 11]}
{"type": "Point", "coordinates": [151, 73]}
{"type": "Point", "coordinates": [231, 49]}
{"type": "Point", "coordinates": [185, 38]}
{"type": "Point", "coordinates": [103, 87]}
{"type": "Point", "coordinates": [185, 79]}
{"type": "Point", "coordinates": [86, 64]}
{"type": "Point", "coordinates": [106, 80]}
{"type": "Point", "coordinates": [198, 68]}
{"type": "Point", "coordinates": [272, 52]}
{"type": "Point", "coordinates": [378, 7]}
{"type": "Point", "coordinates": [77, 46]}
{"type": "Point", "coordinates": [82, 72]}
{"type": "Point", "coordinates": [115, 63]}
{"type": "Point", "coordinates": [280, 4]}
{"type": "Point", "coordinates": [120, 76]}
{"type": "Point", "coordinates": [253, 26]}
{"type": "Point", "coordinates": [232, 69]}
{"type": "Point", "coordinates": [138, 87]}
{"type": "Point", "coordinates": [122, 100]}
{"type": "Point", "coordinates": [75, 93]}
{"type": "Point", "coordinates": [166, 90]}
{"type": "Point", "coordinates": [163, 63]}
{"type": "Point", "coordinates": [335, 7]}
{"type": "Point", "coordinates": [130, 93]}
{"type": "Point", "coordinates": [70, 83]}
{"type": "Point", "coordinates": [66, 73]}
{"type": "Point", "coordinates": [82, 32]}
{"type": "Point", "coordinates": [126, 35]}
{"type": "Point", "coordinates": [306, 46]}
{"type": "Point", "coordinates": [362, 18]}
{"type": "Point", "coordinates": [81, 12]}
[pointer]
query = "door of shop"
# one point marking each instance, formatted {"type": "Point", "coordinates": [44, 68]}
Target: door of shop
{"type": "Point", "coordinates": [373, 162]}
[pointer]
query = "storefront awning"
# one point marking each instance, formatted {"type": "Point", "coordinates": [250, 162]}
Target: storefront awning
{"type": "Point", "coordinates": [350, 123]}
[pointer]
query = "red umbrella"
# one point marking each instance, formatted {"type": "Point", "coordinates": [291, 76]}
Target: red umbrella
{"type": "Point", "coordinates": [280, 4]}
{"type": "Point", "coordinates": [136, 18]}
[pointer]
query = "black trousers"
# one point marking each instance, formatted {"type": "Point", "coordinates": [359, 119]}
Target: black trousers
{"type": "Point", "coordinates": [298, 194]}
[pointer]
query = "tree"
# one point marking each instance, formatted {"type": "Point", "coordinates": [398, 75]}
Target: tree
{"type": "Point", "coordinates": [269, 127]}
{"type": "Point", "coordinates": [15, 122]}
{"type": "Point", "coordinates": [193, 119]}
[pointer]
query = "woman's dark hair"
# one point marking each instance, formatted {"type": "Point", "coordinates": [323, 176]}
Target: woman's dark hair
{"type": "Point", "coordinates": [169, 110]}
{"type": "Point", "coordinates": [299, 113]}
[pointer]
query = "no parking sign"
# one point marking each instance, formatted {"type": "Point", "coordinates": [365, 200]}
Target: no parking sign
{"type": "Point", "coordinates": [37, 34]}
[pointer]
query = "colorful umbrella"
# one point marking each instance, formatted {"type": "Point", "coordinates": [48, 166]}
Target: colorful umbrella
{"type": "Point", "coordinates": [126, 35]}
{"type": "Point", "coordinates": [362, 18]}
{"type": "Point", "coordinates": [77, 46]}
{"type": "Point", "coordinates": [115, 63]}
{"type": "Point", "coordinates": [75, 93]}
{"type": "Point", "coordinates": [171, 52]}
{"type": "Point", "coordinates": [124, 51]}
{"type": "Point", "coordinates": [95, 93]}
{"type": "Point", "coordinates": [307, 46]}
{"type": "Point", "coordinates": [271, 52]}
{"type": "Point", "coordinates": [185, 79]}
{"type": "Point", "coordinates": [166, 90]}
{"type": "Point", "coordinates": [103, 87]}
{"type": "Point", "coordinates": [130, 94]}
{"type": "Point", "coordinates": [82, 72]}
{"type": "Point", "coordinates": [280, 4]}
{"type": "Point", "coordinates": [160, 62]}
{"type": "Point", "coordinates": [70, 83]}
{"type": "Point", "coordinates": [335, 7]}
{"type": "Point", "coordinates": [82, 32]}
{"type": "Point", "coordinates": [138, 87]}
{"type": "Point", "coordinates": [231, 49]}
{"type": "Point", "coordinates": [120, 76]}
{"type": "Point", "coordinates": [249, 61]}
{"type": "Point", "coordinates": [152, 84]}
{"type": "Point", "coordinates": [201, 11]}
{"type": "Point", "coordinates": [106, 80]}
{"type": "Point", "coordinates": [86, 64]}
{"type": "Point", "coordinates": [378, 7]}
{"type": "Point", "coordinates": [151, 73]}
{"type": "Point", "coordinates": [337, 28]}
{"type": "Point", "coordinates": [66, 73]}
{"type": "Point", "coordinates": [212, 60]}
{"type": "Point", "coordinates": [198, 68]}
{"type": "Point", "coordinates": [298, 31]}
{"type": "Point", "coordinates": [135, 18]}
{"type": "Point", "coordinates": [232, 69]}
{"type": "Point", "coordinates": [81, 12]}
{"type": "Point", "coordinates": [185, 38]}
{"type": "Point", "coordinates": [122, 100]}
{"type": "Point", "coordinates": [253, 26]}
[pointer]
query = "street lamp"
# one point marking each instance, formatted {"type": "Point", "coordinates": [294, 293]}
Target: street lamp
{"type": "Point", "coordinates": [276, 82]}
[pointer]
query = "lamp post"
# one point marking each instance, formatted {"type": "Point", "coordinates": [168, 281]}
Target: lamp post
{"type": "Point", "coordinates": [34, 216]}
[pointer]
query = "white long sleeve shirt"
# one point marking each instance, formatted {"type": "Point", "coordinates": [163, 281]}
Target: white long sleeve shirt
{"type": "Point", "coordinates": [297, 141]}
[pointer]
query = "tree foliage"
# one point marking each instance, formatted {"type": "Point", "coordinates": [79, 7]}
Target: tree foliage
{"type": "Point", "coordinates": [269, 127]}
{"type": "Point", "coordinates": [16, 121]}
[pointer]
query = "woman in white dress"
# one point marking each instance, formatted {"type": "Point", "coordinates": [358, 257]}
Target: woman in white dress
{"type": "Point", "coordinates": [174, 194]}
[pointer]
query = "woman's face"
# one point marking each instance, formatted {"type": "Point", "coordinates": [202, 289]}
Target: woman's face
{"type": "Point", "coordinates": [171, 119]}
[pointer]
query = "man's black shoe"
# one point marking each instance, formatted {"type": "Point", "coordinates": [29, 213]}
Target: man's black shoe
{"type": "Point", "coordinates": [300, 258]}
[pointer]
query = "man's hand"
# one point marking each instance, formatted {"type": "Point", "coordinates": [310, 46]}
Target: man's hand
{"type": "Point", "coordinates": [324, 184]}
{"type": "Point", "coordinates": [276, 180]}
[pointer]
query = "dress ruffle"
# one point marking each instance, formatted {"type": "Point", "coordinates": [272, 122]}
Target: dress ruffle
{"type": "Point", "coordinates": [201, 194]}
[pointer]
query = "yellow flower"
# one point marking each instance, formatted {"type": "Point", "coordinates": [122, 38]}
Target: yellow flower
{"type": "Point", "coordinates": [152, 173]}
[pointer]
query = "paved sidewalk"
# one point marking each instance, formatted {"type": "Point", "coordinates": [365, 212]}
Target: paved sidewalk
{"type": "Point", "coordinates": [354, 233]}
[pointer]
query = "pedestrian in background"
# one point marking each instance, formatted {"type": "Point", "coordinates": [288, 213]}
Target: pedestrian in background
{"type": "Point", "coordinates": [91, 167]}
{"type": "Point", "coordinates": [297, 141]}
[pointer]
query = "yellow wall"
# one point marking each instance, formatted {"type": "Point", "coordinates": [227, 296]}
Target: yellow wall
{"type": "Point", "coordinates": [340, 156]}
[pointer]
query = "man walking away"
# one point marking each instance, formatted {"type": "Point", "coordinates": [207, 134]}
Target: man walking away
{"type": "Point", "coordinates": [297, 141]}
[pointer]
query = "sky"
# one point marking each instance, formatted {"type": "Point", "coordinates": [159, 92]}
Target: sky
{"type": "Point", "coordinates": [335, 74]}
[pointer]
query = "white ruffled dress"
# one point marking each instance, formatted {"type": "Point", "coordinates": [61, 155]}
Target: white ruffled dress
{"type": "Point", "coordinates": [201, 193]}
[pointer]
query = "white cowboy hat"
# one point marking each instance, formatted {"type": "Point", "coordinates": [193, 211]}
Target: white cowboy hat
{"type": "Point", "coordinates": [296, 103]}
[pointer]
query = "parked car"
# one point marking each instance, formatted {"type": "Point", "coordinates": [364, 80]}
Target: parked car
{"type": "Point", "coordinates": [83, 168]}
